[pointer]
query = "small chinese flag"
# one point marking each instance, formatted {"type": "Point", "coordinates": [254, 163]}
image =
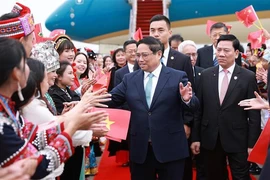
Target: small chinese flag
{"type": "Point", "coordinates": [138, 35]}
{"type": "Point", "coordinates": [256, 39]}
{"type": "Point", "coordinates": [101, 83]}
{"type": "Point", "coordinates": [259, 152]}
{"type": "Point", "coordinates": [247, 16]}
{"type": "Point", "coordinates": [210, 23]}
{"type": "Point", "coordinates": [117, 123]}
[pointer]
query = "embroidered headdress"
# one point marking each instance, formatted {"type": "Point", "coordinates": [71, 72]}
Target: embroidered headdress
{"type": "Point", "coordinates": [20, 26]}
{"type": "Point", "coordinates": [46, 53]}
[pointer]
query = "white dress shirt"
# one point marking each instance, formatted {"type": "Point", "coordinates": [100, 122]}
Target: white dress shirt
{"type": "Point", "coordinates": [156, 74]}
{"type": "Point", "coordinates": [166, 55]}
{"type": "Point", "coordinates": [221, 76]}
{"type": "Point", "coordinates": [130, 67]}
{"type": "Point", "coordinates": [214, 52]}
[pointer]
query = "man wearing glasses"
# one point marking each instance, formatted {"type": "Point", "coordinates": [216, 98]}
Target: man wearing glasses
{"type": "Point", "coordinates": [156, 96]}
{"type": "Point", "coordinates": [189, 48]}
{"type": "Point", "coordinates": [207, 55]}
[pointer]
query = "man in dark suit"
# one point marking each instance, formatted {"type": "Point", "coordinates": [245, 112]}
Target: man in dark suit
{"type": "Point", "coordinates": [160, 28]}
{"type": "Point", "coordinates": [207, 55]}
{"type": "Point", "coordinates": [156, 96]}
{"type": "Point", "coordinates": [189, 48]}
{"type": "Point", "coordinates": [222, 128]}
{"type": "Point", "coordinates": [130, 48]}
{"type": "Point", "coordinates": [175, 40]}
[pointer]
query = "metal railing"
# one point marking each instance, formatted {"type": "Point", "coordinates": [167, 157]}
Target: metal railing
{"type": "Point", "coordinates": [166, 4]}
{"type": "Point", "coordinates": [133, 17]}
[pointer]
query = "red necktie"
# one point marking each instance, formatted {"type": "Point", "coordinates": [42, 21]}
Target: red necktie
{"type": "Point", "coordinates": [224, 86]}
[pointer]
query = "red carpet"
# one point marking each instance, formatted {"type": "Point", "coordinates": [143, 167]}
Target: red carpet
{"type": "Point", "coordinates": [110, 170]}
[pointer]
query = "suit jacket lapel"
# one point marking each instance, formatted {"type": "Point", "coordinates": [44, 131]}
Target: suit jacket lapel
{"type": "Point", "coordinates": [126, 69]}
{"type": "Point", "coordinates": [214, 84]}
{"type": "Point", "coordinates": [170, 60]}
{"type": "Point", "coordinates": [140, 87]}
{"type": "Point", "coordinates": [163, 78]}
{"type": "Point", "coordinates": [233, 82]}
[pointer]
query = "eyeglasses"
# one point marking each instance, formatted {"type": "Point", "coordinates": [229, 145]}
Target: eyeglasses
{"type": "Point", "coordinates": [217, 34]}
{"type": "Point", "coordinates": [192, 54]}
{"type": "Point", "coordinates": [131, 51]}
{"type": "Point", "coordinates": [143, 55]}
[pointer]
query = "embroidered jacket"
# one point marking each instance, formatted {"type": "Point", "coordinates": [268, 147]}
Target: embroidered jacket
{"type": "Point", "coordinates": [19, 140]}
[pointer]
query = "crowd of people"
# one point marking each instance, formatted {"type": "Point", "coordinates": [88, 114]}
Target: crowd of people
{"type": "Point", "coordinates": [188, 106]}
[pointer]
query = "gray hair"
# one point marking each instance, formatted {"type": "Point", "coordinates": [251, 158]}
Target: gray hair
{"type": "Point", "coordinates": [186, 43]}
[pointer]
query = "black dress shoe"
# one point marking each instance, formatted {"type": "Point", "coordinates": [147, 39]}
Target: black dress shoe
{"type": "Point", "coordinates": [255, 170]}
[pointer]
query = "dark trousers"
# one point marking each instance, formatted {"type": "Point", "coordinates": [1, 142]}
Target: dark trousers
{"type": "Point", "coordinates": [215, 160]}
{"type": "Point", "coordinates": [188, 164]}
{"type": "Point", "coordinates": [200, 167]}
{"type": "Point", "coordinates": [151, 168]}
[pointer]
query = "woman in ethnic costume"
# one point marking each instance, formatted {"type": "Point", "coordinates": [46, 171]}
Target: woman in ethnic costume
{"type": "Point", "coordinates": [19, 139]}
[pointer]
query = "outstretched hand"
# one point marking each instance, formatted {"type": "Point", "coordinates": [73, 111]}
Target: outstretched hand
{"type": "Point", "coordinates": [185, 91]}
{"type": "Point", "coordinates": [254, 103]}
{"type": "Point", "coordinates": [95, 99]}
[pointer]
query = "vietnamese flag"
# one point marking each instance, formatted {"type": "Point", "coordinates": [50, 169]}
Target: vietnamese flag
{"type": "Point", "coordinates": [210, 23]}
{"type": "Point", "coordinates": [138, 35]}
{"type": "Point", "coordinates": [256, 39]}
{"type": "Point", "coordinates": [247, 16]}
{"type": "Point", "coordinates": [259, 152]}
{"type": "Point", "coordinates": [117, 123]}
{"type": "Point", "coordinates": [102, 82]}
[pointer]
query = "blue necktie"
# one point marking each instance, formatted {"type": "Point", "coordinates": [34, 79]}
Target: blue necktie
{"type": "Point", "coordinates": [148, 89]}
{"type": "Point", "coordinates": [215, 62]}
{"type": "Point", "coordinates": [162, 60]}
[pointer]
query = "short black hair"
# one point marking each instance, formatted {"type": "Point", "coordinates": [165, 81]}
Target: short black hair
{"type": "Point", "coordinates": [128, 42]}
{"type": "Point", "coordinates": [232, 38]}
{"type": "Point", "coordinates": [219, 25]}
{"type": "Point", "coordinates": [176, 37]}
{"type": "Point", "coordinates": [154, 44]}
{"type": "Point", "coordinates": [160, 17]}
{"type": "Point", "coordinates": [61, 70]}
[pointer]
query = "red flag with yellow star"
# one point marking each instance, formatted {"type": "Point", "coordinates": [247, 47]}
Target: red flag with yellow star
{"type": "Point", "coordinates": [138, 35]}
{"type": "Point", "coordinates": [102, 82]}
{"type": "Point", "coordinates": [247, 16]}
{"type": "Point", "coordinates": [256, 39]}
{"type": "Point", "coordinates": [259, 152]}
{"type": "Point", "coordinates": [117, 123]}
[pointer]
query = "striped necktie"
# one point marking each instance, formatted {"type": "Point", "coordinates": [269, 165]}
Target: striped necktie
{"type": "Point", "coordinates": [215, 61]}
